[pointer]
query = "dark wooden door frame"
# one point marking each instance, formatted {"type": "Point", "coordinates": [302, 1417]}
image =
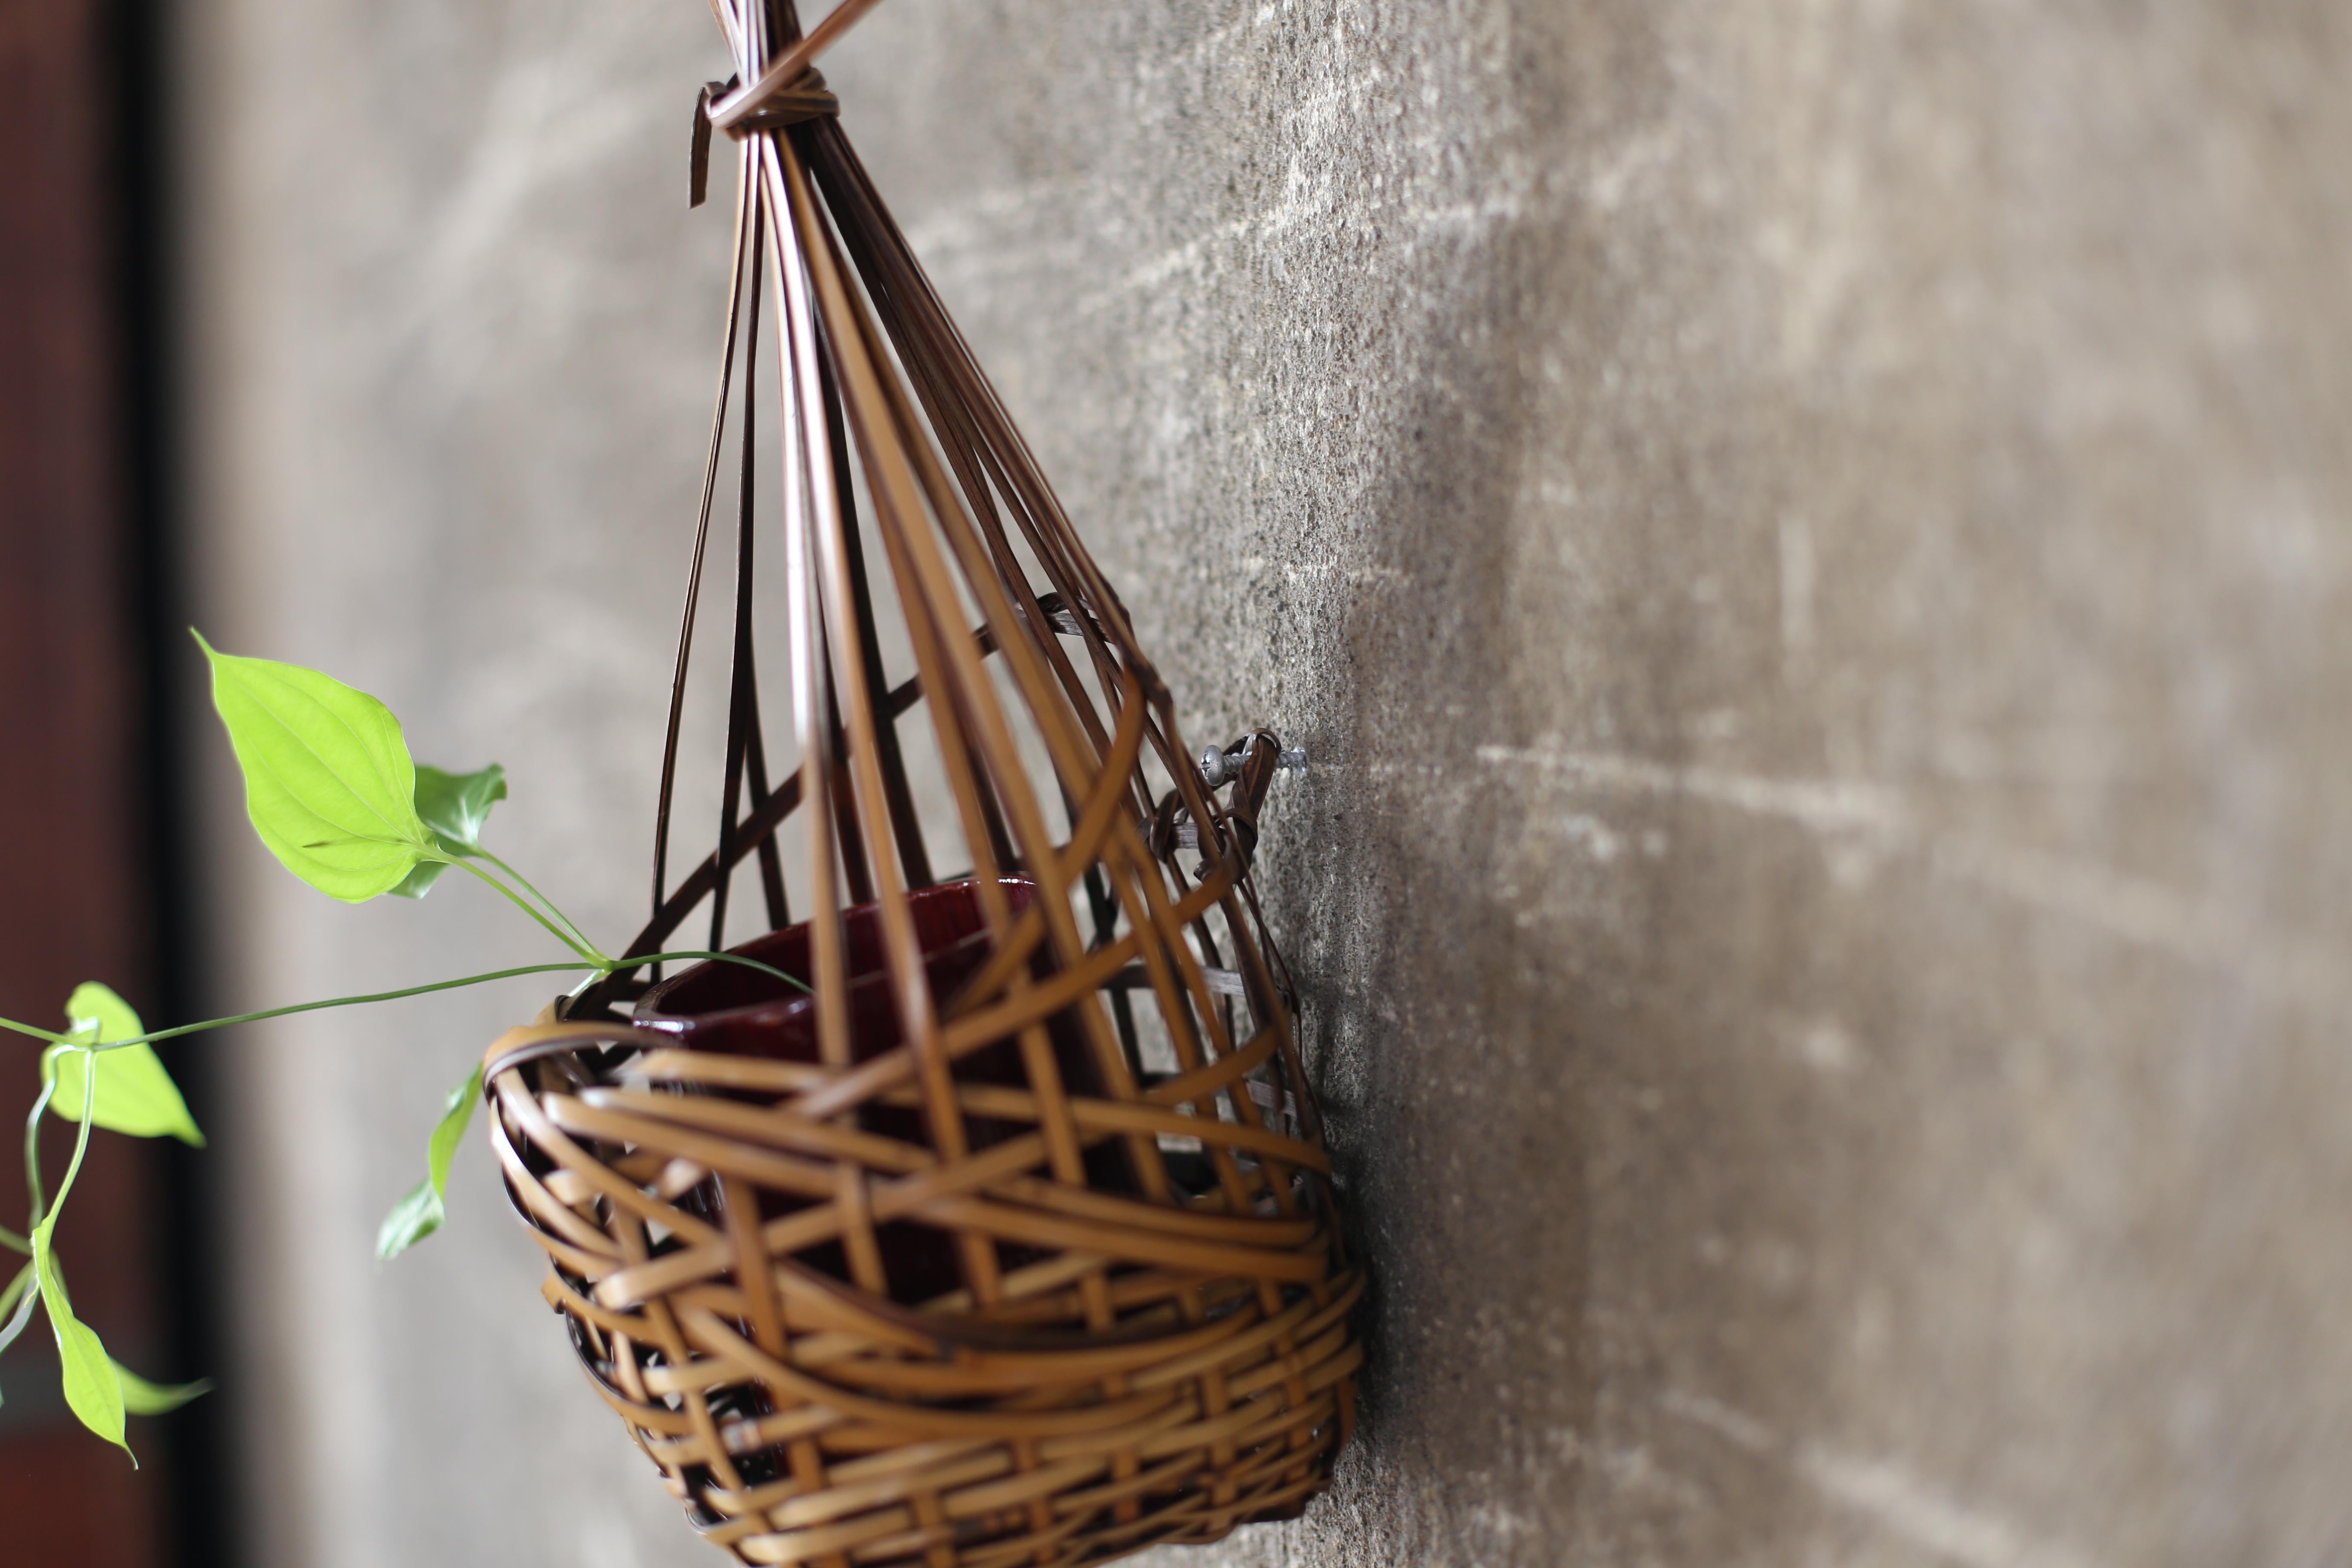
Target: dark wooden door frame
{"type": "Point", "coordinates": [88, 891]}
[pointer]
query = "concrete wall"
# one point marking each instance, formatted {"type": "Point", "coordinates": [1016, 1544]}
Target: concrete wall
{"type": "Point", "coordinates": [1808, 541]}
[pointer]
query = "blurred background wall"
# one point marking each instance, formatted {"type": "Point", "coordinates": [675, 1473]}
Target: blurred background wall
{"type": "Point", "coordinates": [1808, 543]}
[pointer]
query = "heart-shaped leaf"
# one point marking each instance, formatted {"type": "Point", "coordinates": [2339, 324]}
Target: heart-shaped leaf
{"type": "Point", "coordinates": [135, 1095]}
{"type": "Point", "coordinates": [328, 782]}
{"type": "Point", "coordinates": [93, 1391]}
{"type": "Point", "coordinates": [455, 806]}
{"type": "Point", "coordinates": [420, 1214]}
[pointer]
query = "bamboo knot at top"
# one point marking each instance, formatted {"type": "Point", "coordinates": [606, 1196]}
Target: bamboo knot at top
{"type": "Point", "coordinates": [786, 91]}
{"type": "Point", "coordinates": [805, 98]}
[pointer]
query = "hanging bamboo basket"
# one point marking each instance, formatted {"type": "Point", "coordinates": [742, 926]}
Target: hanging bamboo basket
{"type": "Point", "coordinates": [1012, 1239]}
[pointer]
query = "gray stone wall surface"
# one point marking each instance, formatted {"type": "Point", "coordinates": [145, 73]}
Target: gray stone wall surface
{"type": "Point", "coordinates": [1810, 544]}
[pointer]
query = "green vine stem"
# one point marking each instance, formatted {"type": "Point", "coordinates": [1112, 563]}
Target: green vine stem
{"type": "Point", "coordinates": [82, 1142]}
{"type": "Point", "coordinates": [10, 1296]}
{"type": "Point", "coordinates": [21, 1296]}
{"type": "Point", "coordinates": [598, 970]}
{"type": "Point", "coordinates": [580, 946]}
{"type": "Point", "coordinates": [524, 883]}
{"type": "Point", "coordinates": [33, 1153]}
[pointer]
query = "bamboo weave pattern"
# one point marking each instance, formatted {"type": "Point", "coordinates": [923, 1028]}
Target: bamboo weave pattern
{"type": "Point", "coordinates": [1012, 1239]}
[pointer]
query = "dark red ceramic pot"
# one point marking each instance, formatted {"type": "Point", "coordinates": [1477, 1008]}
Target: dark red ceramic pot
{"type": "Point", "coordinates": [738, 1011]}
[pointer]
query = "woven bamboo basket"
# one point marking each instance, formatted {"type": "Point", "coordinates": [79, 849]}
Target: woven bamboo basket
{"type": "Point", "coordinates": [1010, 1240]}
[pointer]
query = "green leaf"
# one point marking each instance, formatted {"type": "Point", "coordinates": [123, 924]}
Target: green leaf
{"type": "Point", "coordinates": [328, 782]}
{"type": "Point", "coordinates": [141, 1397]}
{"type": "Point", "coordinates": [457, 1111]}
{"type": "Point", "coordinates": [455, 806]}
{"type": "Point", "coordinates": [100, 1007]}
{"type": "Point", "coordinates": [92, 1389]}
{"type": "Point", "coordinates": [420, 1214]}
{"type": "Point", "coordinates": [412, 1219]}
{"type": "Point", "coordinates": [420, 879]}
{"type": "Point", "coordinates": [135, 1095]}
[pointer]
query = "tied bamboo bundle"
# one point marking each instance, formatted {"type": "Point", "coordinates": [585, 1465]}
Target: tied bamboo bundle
{"type": "Point", "coordinates": [930, 1263]}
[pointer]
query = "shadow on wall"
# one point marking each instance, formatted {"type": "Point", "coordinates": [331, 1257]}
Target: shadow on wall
{"type": "Point", "coordinates": [1445, 1025]}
